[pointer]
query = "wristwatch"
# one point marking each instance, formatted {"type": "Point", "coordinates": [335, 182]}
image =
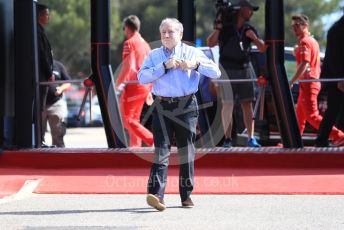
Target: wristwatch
{"type": "Point", "coordinates": [163, 63]}
{"type": "Point", "coordinates": [197, 65]}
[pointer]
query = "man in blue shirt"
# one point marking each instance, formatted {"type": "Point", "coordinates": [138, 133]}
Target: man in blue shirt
{"type": "Point", "coordinates": [174, 69]}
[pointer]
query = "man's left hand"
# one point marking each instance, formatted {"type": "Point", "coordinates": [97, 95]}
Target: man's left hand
{"type": "Point", "coordinates": [186, 65]}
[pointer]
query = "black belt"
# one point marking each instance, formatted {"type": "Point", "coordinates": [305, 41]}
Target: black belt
{"type": "Point", "coordinates": [174, 99]}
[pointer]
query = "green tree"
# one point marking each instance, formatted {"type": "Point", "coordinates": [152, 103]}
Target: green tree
{"type": "Point", "coordinates": [314, 9]}
{"type": "Point", "coordinates": [69, 28]}
{"type": "Point", "coordinates": [150, 12]}
{"type": "Point", "coordinates": [69, 32]}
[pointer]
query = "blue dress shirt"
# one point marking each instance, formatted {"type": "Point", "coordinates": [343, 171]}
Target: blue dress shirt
{"type": "Point", "coordinates": [176, 82]}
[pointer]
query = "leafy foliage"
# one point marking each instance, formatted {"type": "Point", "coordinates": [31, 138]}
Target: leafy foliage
{"type": "Point", "coordinates": [69, 27]}
{"type": "Point", "coordinates": [315, 10]}
{"type": "Point", "coordinates": [69, 32]}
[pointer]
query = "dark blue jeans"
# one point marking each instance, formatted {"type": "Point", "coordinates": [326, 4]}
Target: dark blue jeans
{"type": "Point", "coordinates": [174, 121]}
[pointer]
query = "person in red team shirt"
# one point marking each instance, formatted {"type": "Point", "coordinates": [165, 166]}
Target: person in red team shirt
{"type": "Point", "coordinates": [308, 67]}
{"type": "Point", "coordinates": [133, 96]}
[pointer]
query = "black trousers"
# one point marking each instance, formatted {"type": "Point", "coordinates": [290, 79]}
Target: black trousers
{"type": "Point", "coordinates": [174, 121]}
{"type": "Point", "coordinates": [335, 107]}
{"type": "Point", "coordinates": [43, 96]}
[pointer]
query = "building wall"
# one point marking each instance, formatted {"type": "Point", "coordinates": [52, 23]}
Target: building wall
{"type": "Point", "coordinates": [6, 70]}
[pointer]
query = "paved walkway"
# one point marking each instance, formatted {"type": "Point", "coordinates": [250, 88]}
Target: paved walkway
{"type": "Point", "coordinates": [85, 137]}
{"type": "Point", "coordinates": [28, 211]}
{"type": "Point", "coordinates": [55, 212]}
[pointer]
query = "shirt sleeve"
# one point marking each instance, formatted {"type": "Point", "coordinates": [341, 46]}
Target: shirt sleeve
{"type": "Point", "coordinates": [126, 60]}
{"type": "Point", "coordinates": [207, 67]}
{"type": "Point", "coordinates": [247, 27]}
{"type": "Point", "coordinates": [44, 64]}
{"type": "Point", "coordinates": [255, 31]}
{"type": "Point", "coordinates": [149, 72]}
{"type": "Point", "coordinates": [305, 54]}
{"type": "Point", "coordinates": [64, 73]}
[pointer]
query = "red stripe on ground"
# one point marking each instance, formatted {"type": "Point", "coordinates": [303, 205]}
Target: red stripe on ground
{"type": "Point", "coordinates": [207, 181]}
{"type": "Point", "coordinates": [110, 172]}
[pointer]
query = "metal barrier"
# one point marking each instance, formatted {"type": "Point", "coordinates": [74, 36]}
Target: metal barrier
{"type": "Point", "coordinates": [60, 82]}
{"type": "Point", "coordinates": [321, 80]}
{"type": "Point", "coordinates": [262, 83]}
{"type": "Point", "coordinates": [88, 83]}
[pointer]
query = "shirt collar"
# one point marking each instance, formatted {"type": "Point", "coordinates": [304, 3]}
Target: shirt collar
{"type": "Point", "coordinates": [176, 50]}
{"type": "Point", "coordinates": [304, 34]}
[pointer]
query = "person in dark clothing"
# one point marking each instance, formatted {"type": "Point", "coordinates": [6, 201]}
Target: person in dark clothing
{"type": "Point", "coordinates": [333, 68]}
{"type": "Point", "coordinates": [56, 107]}
{"type": "Point", "coordinates": [234, 39]}
{"type": "Point", "coordinates": [45, 56]}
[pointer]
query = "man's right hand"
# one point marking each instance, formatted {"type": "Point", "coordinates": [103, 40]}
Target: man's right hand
{"type": "Point", "coordinates": [186, 65]}
{"type": "Point", "coordinates": [172, 63]}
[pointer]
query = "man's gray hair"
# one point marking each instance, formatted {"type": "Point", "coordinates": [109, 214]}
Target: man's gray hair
{"type": "Point", "coordinates": [172, 21]}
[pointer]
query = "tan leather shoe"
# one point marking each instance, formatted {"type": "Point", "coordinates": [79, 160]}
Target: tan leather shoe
{"type": "Point", "coordinates": [156, 202]}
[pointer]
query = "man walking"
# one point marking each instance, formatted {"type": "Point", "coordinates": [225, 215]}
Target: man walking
{"type": "Point", "coordinates": [134, 95]}
{"type": "Point", "coordinates": [174, 69]}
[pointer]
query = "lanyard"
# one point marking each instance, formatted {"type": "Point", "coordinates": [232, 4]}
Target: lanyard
{"type": "Point", "coordinates": [240, 36]}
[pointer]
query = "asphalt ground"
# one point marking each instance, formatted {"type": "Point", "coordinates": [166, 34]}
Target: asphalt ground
{"type": "Point", "coordinates": [129, 212]}
{"type": "Point", "coordinates": [28, 211]}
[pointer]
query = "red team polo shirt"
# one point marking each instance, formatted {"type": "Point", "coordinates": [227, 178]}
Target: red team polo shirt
{"type": "Point", "coordinates": [308, 50]}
